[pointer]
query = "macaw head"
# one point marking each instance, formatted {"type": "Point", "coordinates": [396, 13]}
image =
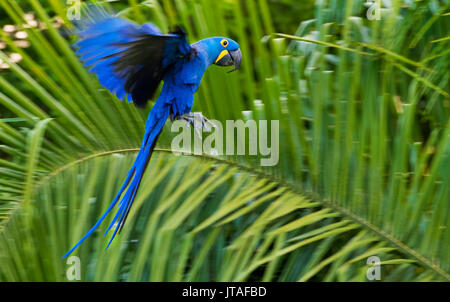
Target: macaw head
{"type": "Point", "coordinates": [222, 51]}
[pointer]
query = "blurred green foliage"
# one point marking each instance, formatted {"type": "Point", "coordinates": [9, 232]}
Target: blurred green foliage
{"type": "Point", "coordinates": [364, 141]}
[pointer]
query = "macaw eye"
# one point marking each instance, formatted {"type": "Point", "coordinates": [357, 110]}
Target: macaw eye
{"type": "Point", "coordinates": [224, 43]}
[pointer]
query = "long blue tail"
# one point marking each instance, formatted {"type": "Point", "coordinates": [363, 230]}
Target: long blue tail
{"type": "Point", "coordinates": [153, 128]}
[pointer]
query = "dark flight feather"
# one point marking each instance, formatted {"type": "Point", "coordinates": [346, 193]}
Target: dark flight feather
{"type": "Point", "coordinates": [144, 61]}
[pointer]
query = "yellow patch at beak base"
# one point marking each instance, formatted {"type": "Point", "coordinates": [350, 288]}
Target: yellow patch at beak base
{"type": "Point", "coordinates": [221, 55]}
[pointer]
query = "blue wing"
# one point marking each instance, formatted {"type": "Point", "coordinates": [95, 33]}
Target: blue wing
{"type": "Point", "coordinates": [129, 60]}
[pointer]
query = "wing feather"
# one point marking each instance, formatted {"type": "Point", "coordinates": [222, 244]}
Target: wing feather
{"type": "Point", "coordinates": [129, 60]}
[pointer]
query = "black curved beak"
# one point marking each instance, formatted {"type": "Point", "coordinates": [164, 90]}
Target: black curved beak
{"type": "Point", "coordinates": [236, 56]}
{"type": "Point", "coordinates": [232, 57]}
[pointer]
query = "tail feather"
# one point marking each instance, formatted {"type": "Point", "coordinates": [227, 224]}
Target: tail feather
{"type": "Point", "coordinates": [153, 128]}
{"type": "Point", "coordinates": [122, 222]}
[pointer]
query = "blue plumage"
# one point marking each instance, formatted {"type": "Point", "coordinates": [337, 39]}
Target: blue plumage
{"type": "Point", "coordinates": [130, 61]}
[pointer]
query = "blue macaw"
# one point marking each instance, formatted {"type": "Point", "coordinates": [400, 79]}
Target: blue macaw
{"type": "Point", "coordinates": [131, 61]}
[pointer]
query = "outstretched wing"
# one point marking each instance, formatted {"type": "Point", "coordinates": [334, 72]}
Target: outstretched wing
{"type": "Point", "coordinates": [129, 60]}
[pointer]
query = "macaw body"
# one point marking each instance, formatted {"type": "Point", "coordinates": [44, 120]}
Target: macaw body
{"type": "Point", "coordinates": [130, 61]}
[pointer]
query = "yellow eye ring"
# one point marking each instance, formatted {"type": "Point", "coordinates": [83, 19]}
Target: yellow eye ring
{"type": "Point", "coordinates": [224, 43]}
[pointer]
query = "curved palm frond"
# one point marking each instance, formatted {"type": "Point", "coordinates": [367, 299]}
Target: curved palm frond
{"type": "Point", "coordinates": [215, 223]}
{"type": "Point", "coordinates": [364, 152]}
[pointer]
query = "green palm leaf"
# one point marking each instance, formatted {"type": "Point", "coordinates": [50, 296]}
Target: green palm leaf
{"type": "Point", "coordinates": [364, 153]}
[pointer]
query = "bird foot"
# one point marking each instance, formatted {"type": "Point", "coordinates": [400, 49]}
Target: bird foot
{"type": "Point", "coordinates": [197, 121]}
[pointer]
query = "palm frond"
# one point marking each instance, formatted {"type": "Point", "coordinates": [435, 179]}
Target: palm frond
{"type": "Point", "coordinates": [364, 152]}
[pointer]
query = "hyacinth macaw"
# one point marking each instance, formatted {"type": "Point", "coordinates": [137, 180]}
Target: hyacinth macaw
{"type": "Point", "coordinates": [131, 61]}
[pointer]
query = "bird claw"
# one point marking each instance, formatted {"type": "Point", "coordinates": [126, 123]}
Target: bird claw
{"type": "Point", "coordinates": [193, 118]}
{"type": "Point", "coordinates": [190, 121]}
{"type": "Point", "coordinates": [205, 121]}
